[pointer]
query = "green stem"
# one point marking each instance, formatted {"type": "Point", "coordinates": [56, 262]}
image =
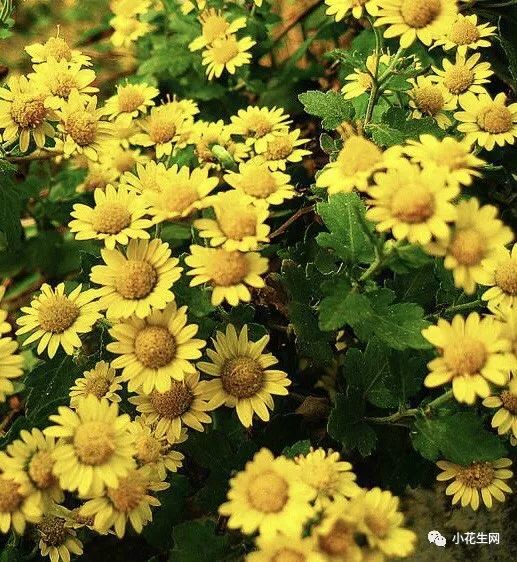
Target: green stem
{"type": "Point", "coordinates": [392, 65]}
{"type": "Point", "coordinates": [465, 306]}
{"type": "Point", "coordinates": [375, 82]}
{"type": "Point", "coordinates": [437, 402]}
{"type": "Point", "coordinates": [158, 230]}
{"type": "Point", "coordinates": [379, 262]}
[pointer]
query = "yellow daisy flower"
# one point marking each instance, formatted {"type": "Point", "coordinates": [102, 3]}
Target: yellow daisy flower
{"type": "Point", "coordinates": [101, 381]}
{"type": "Point", "coordinates": [227, 53]}
{"type": "Point", "coordinates": [127, 30]}
{"type": "Point", "coordinates": [243, 377]}
{"type": "Point", "coordinates": [501, 270]}
{"type": "Point", "coordinates": [5, 327]}
{"type": "Point", "coordinates": [340, 8]}
{"type": "Point", "coordinates": [477, 235]}
{"type": "Point", "coordinates": [256, 180]}
{"type": "Point", "coordinates": [56, 318]}
{"type": "Point", "coordinates": [184, 192]}
{"type": "Point", "coordinates": [57, 539]}
{"type": "Point", "coordinates": [414, 203]}
{"type": "Point", "coordinates": [456, 156]}
{"type": "Point", "coordinates": [23, 114]}
{"type": "Point", "coordinates": [229, 273]}
{"type": "Point", "coordinates": [58, 49]}
{"type": "Point", "coordinates": [424, 20]}
{"type": "Point", "coordinates": [116, 217]}
{"type": "Point", "coordinates": [124, 129]}
{"type": "Point", "coordinates": [130, 8]}
{"type": "Point", "coordinates": [282, 548]}
{"type": "Point", "coordinates": [95, 449]}
{"type": "Point", "coordinates": [151, 176]}
{"type": "Point", "coordinates": [269, 497]}
{"type": "Point", "coordinates": [281, 148]}
{"type": "Point", "coordinates": [487, 121]}
{"type": "Point", "coordinates": [238, 225]}
{"type": "Point", "coordinates": [131, 100]}
{"type": "Point", "coordinates": [215, 26]}
{"type": "Point", "coordinates": [129, 501]}
{"type": "Point", "coordinates": [157, 350]}
{"type": "Point", "coordinates": [99, 176]}
{"type": "Point", "coordinates": [18, 505]}
{"type": "Point", "coordinates": [123, 160]}
{"type": "Point", "coordinates": [184, 405]}
{"type": "Point", "coordinates": [136, 280]}
{"type": "Point", "coordinates": [10, 366]}
{"type": "Point", "coordinates": [255, 122]}
{"type": "Point", "coordinates": [360, 82]}
{"type": "Point", "coordinates": [485, 479]}
{"type": "Point", "coordinates": [505, 419]}
{"type": "Point", "coordinates": [429, 99]}
{"type": "Point", "coordinates": [472, 353]}
{"type": "Point", "coordinates": [465, 33]}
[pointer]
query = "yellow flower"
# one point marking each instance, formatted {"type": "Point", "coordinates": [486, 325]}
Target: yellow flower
{"type": "Point", "coordinates": [501, 270]}
{"type": "Point", "coordinates": [281, 148]}
{"type": "Point", "coordinates": [57, 539]}
{"type": "Point", "coordinates": [127, 30]}
{"type": "Point", "coordinates": [360, 82]}
{"type": "Point", "coordinates": [456, 156]}
{"type": "Point", "coordinates": [82, 128]}
{"type": "Point", "coordinates": [95, 449]}
{"type": "Point", "coordinates": [464, 75]}
{"type": "Point", "coordinates": [472, 353]}
{"type": "Point", "coordinates": [121, 159]}
{"type": "Point", "coordinates": [465, 33]}
{"type": "Point", "coordinates": [151, 176]}
{"type": "Point", "coordinates": [243, 377]}
{"type": "Point", "coordinates": [157, 350]}
{"type": "Point", "coordinates": [18, 505]}
{"type": "Point", "coordinates": [130, 8]}
{"type": "Point", "coordinates": [282, 548]}
{"type": "Point", "coordinates": [413, 202]}
{"type": "Point", "coordinates": [56, 318]}
{"type": "Point", "coordinates": [505, 419]}
{"type": "Point", "coordinates": [269, 497]}
{"type": "Point", "coordinates": [56, 80]}
{"type": "Point", "coordinates": [238, 225]}
{"type": "Point", "coordinates": [188, 5]}
{"type": "Point", "coordinates": [477, 235]}
{"type": "Point", "coordinates": [480, 478]}
{"type": "Point", "coordinates": [229, 273]}
{"type": "Point", "coordinates": [487, 121]}
{"type": "Point", "coordinates": [130, 500]}
{"type": "Point", "coordinates": [429, 99]}
{"type": "Point", "coordinates": [227, 53]}
{"type": "Point", "coordinates": [327, 475]}
{"type": "Point", "coordinates": [5, 327]}
{"type": "Point", "coordinates": [215, 26]}
{"type": "Point", "coordinates": [183, 192]}
{"type": "Point", "coordinates": [354, 165]}
{"type": "Point", "coordinates": [131, 100]}
{"type": "Point", "coordinates": [58, 49]}
{"type": "Point", "coordinates": [184, 404]}
{"type": "Point", "coordinates": [255, 122]}
{"type": "Point", "coordinates": [101, 381]}
{"type": "Point", "coordinates": [23, 114]}
{"type": "Point", "coordinates": [424, 20]}
{"type": "Point", "coordinates": [340, 8]}
{"type": "Point", "coordinates": [134, 281]}
{"type": "Point", "coordinates": [98, 176]}
{"type": "Point", "coordinates": [10, 366]}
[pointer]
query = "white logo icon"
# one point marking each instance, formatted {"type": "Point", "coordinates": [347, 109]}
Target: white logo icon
{"type": "Point", "coordinates": [436, 538]}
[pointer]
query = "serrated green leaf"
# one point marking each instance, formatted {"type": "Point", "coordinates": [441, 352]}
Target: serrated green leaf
{"type": "Point", "coordinates": [198, 540]}
{"type": "Point", "coordinates": [331, 107]}
{"type": "Point", "coordinates": [332, 308]}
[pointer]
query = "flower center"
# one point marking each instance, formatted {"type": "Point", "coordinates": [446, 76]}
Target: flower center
{"type": "Point", "coordinates": [225, 50]}
{"type": "Point", "coordinates": [339, 540]}
{"type": "Point", "coordinates": [428, 99]}
{"type": "Point", "coordinates": [110, 218]}
{"type": "Point", "coordinates": [364, 80]}
{"type": "Point", "coordinates": [259, 126]}
{"type": "Point", "coordinates": [278, 148]}
{"type": "Point", "coordinates": [228, 268]}
{"type": "Point", "coordinates": [155, 347]}
{"type": "Point", "coordinates": [419, 13]}
{"type": "Point", "coordinates": [453, 156]}
{"type": "Point", "coordinates": [242, 377]}
{"type": "Point", "coordinates": [98, 386]}
{"type": "Point", "coordinates": [57, 314]}
{"type": "Point", "coordinates": [53, 531]}
{"type": "Point", "coordinates": [82, 127]}
{"type": "Point", "coordinates": [465, 356]}
{"type": "Point", "coordinates": [62, 85]}
{"type": "Point", "coordinates": [94, 443]}
{"type": "Point", "coordinates": [237, 225]}
{"type": "Point", "coordinates": [40, 470]}
{"type": "Point", "coordinates": [268, 492]}
{"type": "Point", "coordinates": [10, 498]}
{"type": "Point", "coordinates": [213, 27]}
{"type": "Point", "coordinates": [130, 98]}
{"type": "Point", "coordinates": [136, 280]}
{"type": "Point", "coordinates": [162, 129]}
{"type": "Point", "coordinates": [506, 277]}
{"type": "Point", "coordinates": [58, 48]}
{"type": "Point", "coordinates": [495, 118]}
{"type": "Point", "coordinates": [130, 492]}
{"type": "Point", "coordinates": [173, 403]}
{"type": "Point", "coordinates": [180, 197]}
{"type": "Point", "coordinates": [463, 32]}
{"type": "Point", "coordinates": [413, 204]}
{"type": "Point", "coordinates": [358, 155]}
{"type": "Point", "coordinates": [377, 524]}
{"type": "Point", "coordinates": [261, 185]}
{"type": "Point", "coordinates": [124, 161]}
{"type": "Point", "coordinates": [468, 247]}
{"type": "Point", "coordinates": [148, 449]}
{"type": "Point", "coordinates": [458, 79]}
{"type": "Point", "coordinates": [288, 555]}
{"type": "Point", "coordinates": [28, 111]}
{"type": "Point", "coordinates": [509, 401]}
{"type": "Point", "coordinates": [478, 475]}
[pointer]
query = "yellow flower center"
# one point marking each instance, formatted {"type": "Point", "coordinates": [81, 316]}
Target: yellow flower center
{"type": "Point", "coordinates": [162, 129]}
{"type": "Point", "coordinates": [358, 155]}
{"type": "Point", "coordinates": [378, 524]}
{"type": "Point", "coordinates": [259, 183]}
{"type": "Point", "coordinates": [428, 99]}
{"type": "Point", "coordinates": [97, 385]}
{"type": "Point", "coordinates": [63, 84]}
{"type": "Point", "coordinates": [228, 268]}
{"type": "Point", "coordinates": [173, 403]}
{"type": "Point", "coordinates": [97, 179]}
{"type": "Point", "coordinates": [495, 118]}
{"type": "Point", "coordinates": [364, 80]}
{"type": "Point", "coordinates": [94, 442]}
{"type": "Point", "coordinates": [110, 218]}
{"type": "Point", "coordinates": [224, 50]}
{"type": "Point", "coordinates": [279, 148]}
{"type": "Point", "coordinates": [451, 155]}
{"type": "Point", "coordinates": [57, 314]}
{"type": "Point", "coordinates": [214, 26]}
{"type": "Point", "coordinates": [28, 111]}
{"type": "Point", "coordinates": [465, 356]}
{"type": "Point", "coordinates": [258, 126]}
{"type": "Point", "coordinates": [237, 223]}
{"type": "Point", "coordinates": [130, 98]}
{"type": "Point", "coordinates": [458, 79]}
{"type": "Point", "coordinates": [242, 377]}
{"type": "Point", "coordinates": [180, 197]}
{"type": "Point", "coordinates": [58, 48]}
{"type": "Point", "coordinates": [506, 277]}
{"type": "Point", "coordinates": [478, 475]}
{"type": "Point", "coordinates": [155, 347]}
{"type": "Point", "coordinates": [10, 497]}
{"type": "Point", "coordinates": [53, 531]}
{"type": "Point", "coordinates": [339, 540]}
{"type": "Point", "coordinates": [509, 401]}
{"type": "Point", "coordinates": [463, 32]}
{"type": "Point", "coordinates": [130, 492]}
{"type": "Point", "coordinates": [268, 492]}
{"type": "Point", "coordinates": [413, 204]}
{"type": "Point", "coordinates": [124, 161]}
{"type": "Point", "coordinates": [136, 280]}
{"type": "Point", "coordinates": [148, 449]}
{"type": "Point", "coordinates": [82, 127]}
{"type": "Point", "coordinates": [468, 246]}
{"type": "Point", "coordinates": [419, 13]}
{"type": "Point", "coordinates": [288, 555]}
{"type": "Point", "coordinates": [40, 470]}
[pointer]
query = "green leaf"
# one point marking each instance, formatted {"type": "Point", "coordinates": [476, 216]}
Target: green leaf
{"type": "Point", "coordinates": [299, 448]}
{"type": "Point", "coordinates": [330, 106]}
{"type": "Point", "coordinates": [332, 308]}
{"type": "Point", "coordinates": [11, 200]}
{"type": "Point", "coordinates": [198, 540]}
